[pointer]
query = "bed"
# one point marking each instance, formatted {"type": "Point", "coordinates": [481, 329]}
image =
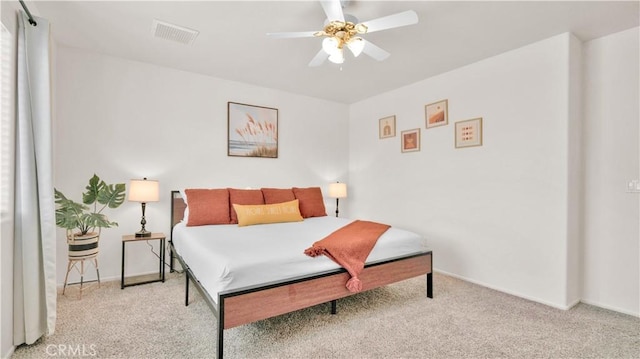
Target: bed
{"type": "Point", "coordinates": [288, 280]}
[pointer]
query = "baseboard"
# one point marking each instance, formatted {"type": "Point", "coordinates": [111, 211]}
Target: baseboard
{"type": "Point", "coordinates": [510, 292]}
{"type": "Point", "coordinates": [111, 279]}
{"type": "Point", "coordinates": [612, 308]}
{"type": "Point", "coordinates": [574, 303]}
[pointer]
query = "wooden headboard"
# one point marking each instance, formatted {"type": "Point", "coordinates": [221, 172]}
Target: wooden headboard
{"type": "Point", "coordinates": [177, 208]}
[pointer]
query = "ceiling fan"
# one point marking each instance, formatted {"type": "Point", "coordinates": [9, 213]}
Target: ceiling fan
{"type": "Point", "coordinates": [343, 30]}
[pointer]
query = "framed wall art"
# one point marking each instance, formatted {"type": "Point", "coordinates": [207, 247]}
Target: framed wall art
{"type": "Point", "coordinates": [252, 131]}
{"type": "Point", "coordinates": [410, 141]}
{"type": "Point", "coordinates": [469, 133]}
{"type": "Point", "coordinates": [387, 127]}
{"type": "Point", "coordinates": [436, 114]}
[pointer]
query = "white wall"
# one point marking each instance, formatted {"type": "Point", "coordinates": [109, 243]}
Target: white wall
{"type": "Point", "coordinates": [611, 216]}
{"type": "Point", "coordinates": [540, 210]}
{"type": "Point", "coordinates": [495, 214]}
{"type": "Point", "coordinates": [123, 119]}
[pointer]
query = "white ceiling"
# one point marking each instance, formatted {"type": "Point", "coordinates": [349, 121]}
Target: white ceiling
{"type": "Point", "coordinates": [232, 43]}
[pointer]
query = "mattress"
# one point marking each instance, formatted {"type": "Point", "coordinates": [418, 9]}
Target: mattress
{"type": "Point", "coordinates": [228, 257]}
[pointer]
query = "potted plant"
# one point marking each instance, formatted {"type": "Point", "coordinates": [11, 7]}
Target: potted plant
{"type": "Point", "coordinates": [81, 219]}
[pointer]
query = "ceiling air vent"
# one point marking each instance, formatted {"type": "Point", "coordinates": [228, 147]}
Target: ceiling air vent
{"type": "Point", "coordinates": [165, 30]}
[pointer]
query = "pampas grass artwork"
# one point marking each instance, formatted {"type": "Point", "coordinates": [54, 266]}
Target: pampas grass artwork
{"type": "Point", "coordinates": [253, 131]}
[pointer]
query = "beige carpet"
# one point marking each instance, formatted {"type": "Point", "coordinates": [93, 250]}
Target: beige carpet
{"type": "Point", "coordinates": [462, 321]}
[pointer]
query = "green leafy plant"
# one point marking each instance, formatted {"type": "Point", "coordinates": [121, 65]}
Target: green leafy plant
{"type": "Point", "coordinates": [87, 216]}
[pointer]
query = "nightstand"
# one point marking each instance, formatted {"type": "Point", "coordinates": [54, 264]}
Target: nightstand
{"type": "Point", "coordinates": [148, 278]}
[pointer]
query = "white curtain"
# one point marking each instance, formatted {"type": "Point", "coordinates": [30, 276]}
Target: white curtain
{"type": "Point", "coordinates": [35, 226]}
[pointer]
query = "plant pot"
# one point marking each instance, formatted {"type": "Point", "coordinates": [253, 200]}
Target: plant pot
{"type": "Point", "coordinates": [83, 246]}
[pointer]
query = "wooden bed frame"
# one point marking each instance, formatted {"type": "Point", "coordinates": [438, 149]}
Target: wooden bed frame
{"type": "Point", "coordinates": [249, 304]}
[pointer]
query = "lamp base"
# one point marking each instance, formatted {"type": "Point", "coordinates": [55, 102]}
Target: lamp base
{"type": "Point", "coordinates": [143, 233]}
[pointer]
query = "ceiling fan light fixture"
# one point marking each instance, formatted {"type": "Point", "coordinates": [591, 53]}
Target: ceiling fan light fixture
{"type": "Point", "coordinates": [337, 57]}
{"type": "Point", "coordinates": [330, 45]}
{"type": "Point", "coordinates": [356, 45]}
{"type": "Point", "coordinates": [342, 30]}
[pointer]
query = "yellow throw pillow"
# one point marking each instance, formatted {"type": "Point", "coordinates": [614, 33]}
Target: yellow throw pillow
{"type": "Point", "coordinates": [268, 213]}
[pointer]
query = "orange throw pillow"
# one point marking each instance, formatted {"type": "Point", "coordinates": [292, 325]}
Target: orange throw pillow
{"type": "Point", "coordinates": [311, 201]}
{"type": "Point", "coordinates": [277, 195]}
{"type": "Point", "coordinates": [243, 196]}
{"type": "Point", "coordinates": [207, 206]}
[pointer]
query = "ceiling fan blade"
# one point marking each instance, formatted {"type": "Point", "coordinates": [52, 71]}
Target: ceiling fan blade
{"type": "Point", "coordinates": [374, 51]}
{"type": "Point", "coordinates": [405, 18]}
{"type": "Point", "coordinates": [333, 9]}
{"type": "Point", "coordinates": [290, 35]}
{"type": "Point", "coordinates": [319, 59]}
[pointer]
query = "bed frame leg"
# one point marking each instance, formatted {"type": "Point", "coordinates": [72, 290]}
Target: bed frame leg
{"type": "Point", "coordinates": [171, 258]}
{"type": "Point", "coordinates": [220, 345]}
{"type": "Point", "coordinates": [430, 285]}
{"type": "Point", "coordinates": [334, 306]}
{"type": "Point", "coordinates": [186, 289]}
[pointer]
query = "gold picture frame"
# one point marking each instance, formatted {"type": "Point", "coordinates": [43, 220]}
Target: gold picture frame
{"type": "Point", "coordinates": [436, 114]}
{"type": "Point", "coordinates": [252, 131]}
{"type": "Point", "coordinates": [410, 140]}
{"type": "Point", "coordinates": [387, 127]}
{"type": "Point", "coordinates": [468, 133]}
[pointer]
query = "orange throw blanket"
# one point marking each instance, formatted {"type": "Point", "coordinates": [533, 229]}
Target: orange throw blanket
{"type": "Point", "coordinates": [350, 246]}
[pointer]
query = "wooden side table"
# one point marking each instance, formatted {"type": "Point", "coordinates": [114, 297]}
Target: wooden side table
{"type": "Point", "coordinates": [148, 278]}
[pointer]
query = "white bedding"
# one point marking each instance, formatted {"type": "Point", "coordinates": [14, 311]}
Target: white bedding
{"type": "Point", "coordinates": [225, 257]}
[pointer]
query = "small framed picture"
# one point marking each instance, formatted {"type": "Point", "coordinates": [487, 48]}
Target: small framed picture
{"type": "Point", "coordinates": [410, 140]}
{"type": "Point", "coordinates": [387, 127]}
{"type": "Point", "coordinates": [469, 133]}
{"type": "Point", "coordinates": [436, 114]}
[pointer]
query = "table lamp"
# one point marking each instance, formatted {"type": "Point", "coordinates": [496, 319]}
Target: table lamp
{"type": "Point", "coordinates": [337, 190]}
{"type": "Point", "coordinates": [143, 190]}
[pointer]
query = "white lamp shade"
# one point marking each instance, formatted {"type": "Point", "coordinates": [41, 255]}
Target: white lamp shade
{"type": "Point", "coordinates": [330, 45]}
{"type": "Point", "coordinates": [356, 45]}
{"type": "Point", "coordinates": [338, 190]}
{"type": "Point", "coordinates": [144, 190]}
{"type": "Point", "coordinates": [337, 57]}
